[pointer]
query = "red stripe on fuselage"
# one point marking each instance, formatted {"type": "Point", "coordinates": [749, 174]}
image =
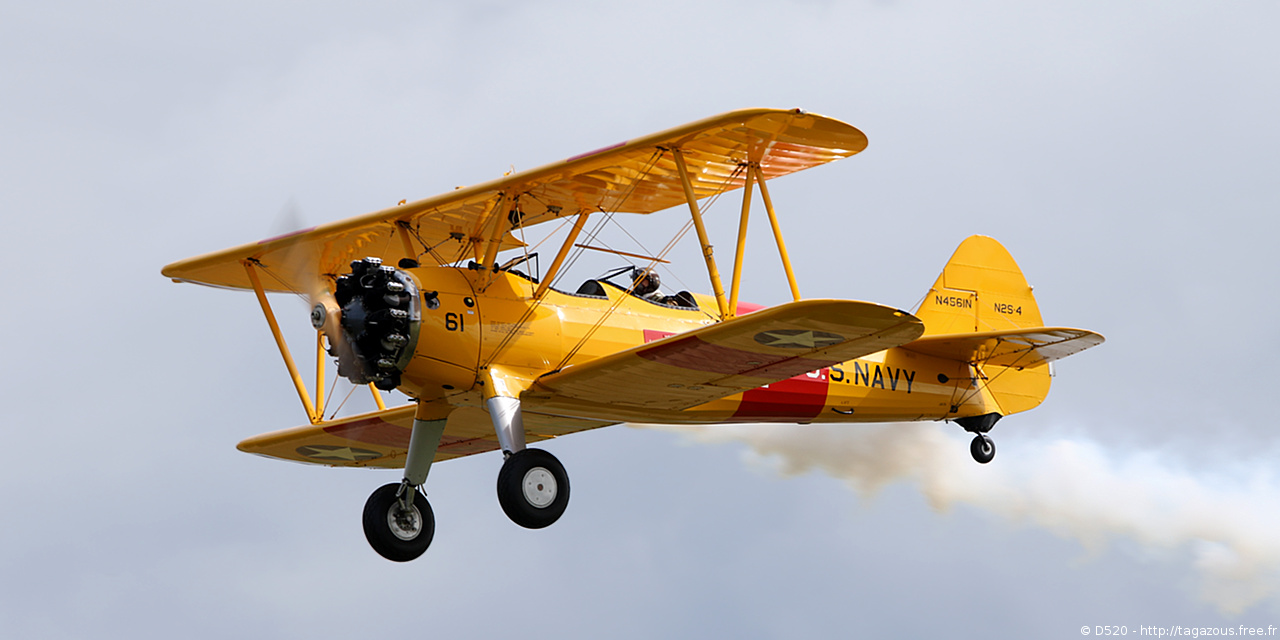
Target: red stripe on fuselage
{"type": "Point", "coordinates": [653, 335]}
{"type": "Point", "coordinates": [791, 400]}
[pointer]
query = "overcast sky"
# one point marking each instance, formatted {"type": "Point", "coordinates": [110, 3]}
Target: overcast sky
{"type": "Point", "coordinates": [1123, 152]}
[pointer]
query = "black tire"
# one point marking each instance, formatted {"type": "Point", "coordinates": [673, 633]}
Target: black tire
{"type": "Point", "coordinates": [983, 448]}
{"type": "Point", "coordinates": [547, 493]}
{"type": "Point", "coordinates": [410, 538]}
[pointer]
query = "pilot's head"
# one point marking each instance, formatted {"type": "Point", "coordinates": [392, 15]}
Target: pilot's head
{"type": "Point", "coordinates": [645, 281]}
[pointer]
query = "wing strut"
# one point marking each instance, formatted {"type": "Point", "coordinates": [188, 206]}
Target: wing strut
{"type": "Point", "coordinates": [312, 413]}
{"type": "Point", "coordinates": [554, 269]}
{"type": "Point", "coordinates": [495, 238]}
{"type": "Point", "coordinates": [315, 410]}
{"type": "Point", "coordinates": [742, 242]}
{"type": "Point", "coordinates": [320, 374]}
{"type": "Point", "coordinates": [728, 309]}
{"type": "Point", "coordinates": [777, 232]}
{"type": "Point", "coordinates": [712, 272]}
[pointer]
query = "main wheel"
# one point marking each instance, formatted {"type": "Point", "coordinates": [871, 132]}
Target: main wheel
{"type": "Point", "coordinates": [533, 488]}
{"type": "Point", "coordinates": [983, 448]}
{"type": "Point", "coordinates": [394, 532]}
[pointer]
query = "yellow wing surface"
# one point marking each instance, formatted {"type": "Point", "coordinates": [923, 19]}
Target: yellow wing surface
{"type": "Point", "coordinates": [636, 176]}
{"type": "Point", "coordinates": [695, 367]}
{"type": "Point", "coordinates": [381, 438]}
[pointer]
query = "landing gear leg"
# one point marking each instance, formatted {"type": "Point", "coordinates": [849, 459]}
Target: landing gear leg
{"type": "Point", "coordinates": [507, 423]}
{"type": "Point", "coordinates": [982, 448]}
{"type": "Point", "coordinates": [398, 521]}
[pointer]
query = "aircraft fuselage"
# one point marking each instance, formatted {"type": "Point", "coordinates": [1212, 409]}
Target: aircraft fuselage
{"type": "Point", "coordinates": [478, 319]}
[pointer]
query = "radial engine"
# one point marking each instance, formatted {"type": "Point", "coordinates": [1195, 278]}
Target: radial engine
{"type": "Point", "coordinates": [378, 319]}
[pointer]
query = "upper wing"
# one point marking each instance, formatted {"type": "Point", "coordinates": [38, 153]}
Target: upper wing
{"type": "Point", "coordinates": [637, 176]}
{"type": "Point", "coordinates": [381, 438]}
{"type": "Point", "coordinates": [1013, 348]}
{"type": "Point", "coordinates": [718, 360]}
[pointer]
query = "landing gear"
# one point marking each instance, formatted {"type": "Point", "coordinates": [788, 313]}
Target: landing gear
{"type": "Point", "coordinates": [398, 522]}
{"type": "Point", "coordinates": [398, 526]}
{"type": "Point", "coordinates": [533, 488]}
{"type": "Point", "coordinates": [983, 448]}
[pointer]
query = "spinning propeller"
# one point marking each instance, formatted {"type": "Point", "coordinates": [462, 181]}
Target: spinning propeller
{"type": "Point", "coordinates": [370, 315]}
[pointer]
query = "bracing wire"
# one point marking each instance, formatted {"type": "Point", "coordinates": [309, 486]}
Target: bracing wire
{"type": "Point", "coordinates": [980, 367]}
{"type": "Point", "coordinates": [670, 245]}
{"type": "Point", "coordinates": [532, 308]}
{"type": "Point", "coordinates": [344, 401]}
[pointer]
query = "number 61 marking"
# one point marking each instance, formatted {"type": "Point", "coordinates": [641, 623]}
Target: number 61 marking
{"type": "Point", "coordinates": [453, 322]}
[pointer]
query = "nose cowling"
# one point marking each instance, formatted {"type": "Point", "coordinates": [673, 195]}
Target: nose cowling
{"type": "Point", "coordinates": [379, 322]}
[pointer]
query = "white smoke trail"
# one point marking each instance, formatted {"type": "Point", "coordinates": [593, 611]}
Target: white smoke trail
{"type": "Point", "coordinates": [1071, 488]}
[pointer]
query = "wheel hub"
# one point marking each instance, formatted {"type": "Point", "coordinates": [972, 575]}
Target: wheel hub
{"type": "Point", "coordinates": [404, 524]}
{"type": "Point", "coordinates": [540, 487]}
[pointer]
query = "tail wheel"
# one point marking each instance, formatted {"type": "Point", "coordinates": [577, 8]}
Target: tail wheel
{"type": "Point", "coordinates": [983, 448]}
{"type": "Point", "coordinates": [533, 488]}
{"type": "Point", "coordinates": [397, 533]}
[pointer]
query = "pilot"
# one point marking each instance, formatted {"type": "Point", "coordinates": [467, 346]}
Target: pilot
{"type": "Point", "coordinates": [644, 283]}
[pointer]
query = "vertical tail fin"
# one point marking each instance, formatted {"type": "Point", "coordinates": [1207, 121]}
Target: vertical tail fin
{"type": "Point", "coordinates": [981, 289]}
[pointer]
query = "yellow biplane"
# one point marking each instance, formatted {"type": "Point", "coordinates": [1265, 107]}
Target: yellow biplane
{"type": "Point", "coordinates": [493, 355]}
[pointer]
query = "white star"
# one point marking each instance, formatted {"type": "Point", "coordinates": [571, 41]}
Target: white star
{"type": "Point", "coordinates": [802, 339]}
{"type": "Point", "coordinates": [341, 453]}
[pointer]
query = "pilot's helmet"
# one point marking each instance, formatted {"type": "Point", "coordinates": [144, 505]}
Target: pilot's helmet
{"type": "Point", "coordinates": [645, 281]}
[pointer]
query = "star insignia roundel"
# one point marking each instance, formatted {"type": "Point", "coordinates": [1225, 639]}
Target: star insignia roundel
{"type": "Point", "coordinates": [344, 454]}
{"type": "Point", "coordinates": [798, 339]}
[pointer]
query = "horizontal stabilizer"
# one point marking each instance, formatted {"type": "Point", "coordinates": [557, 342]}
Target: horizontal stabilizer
{"type": "Point", "coordinates": [1020, 348]}
{"type": "Point", "coordinates": [692, 368]}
